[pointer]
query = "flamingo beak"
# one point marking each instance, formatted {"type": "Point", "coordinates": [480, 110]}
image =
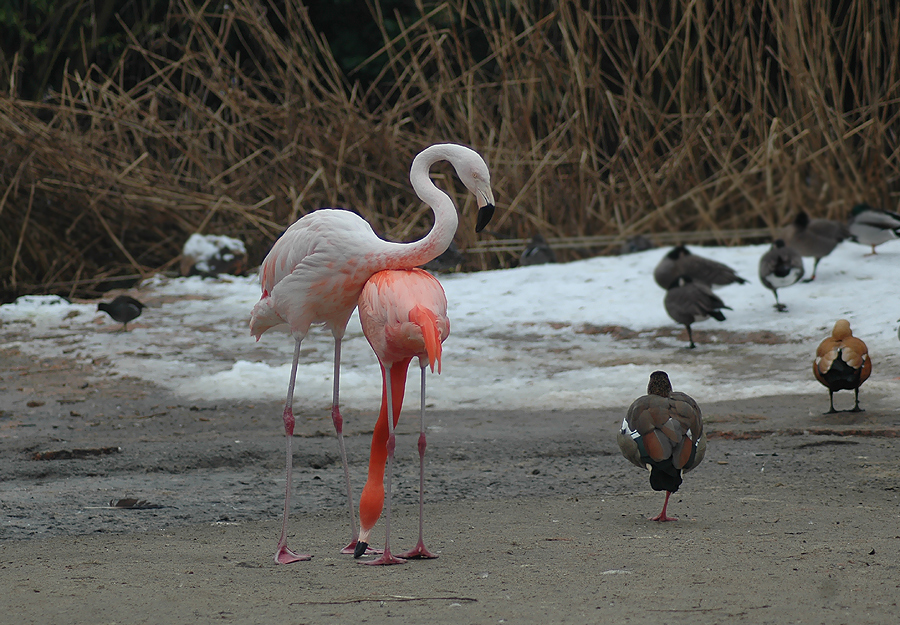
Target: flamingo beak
{"type": "Point", "coordinates": [485, 209]}
{"type": "Point", "coordinates": [484, 217]}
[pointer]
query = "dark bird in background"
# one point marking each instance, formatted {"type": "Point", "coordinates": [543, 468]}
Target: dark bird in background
{"type": "Point", "coordinates": [537, 252]}
{"type": "Point", "coordinates": [842, 363]}
{"type": "Point", "coordinates": [680, 262]}
{"type": "Point", "coordinates": [637, 243]}
{"type": "Point", "coordinates": [450, 260]}
{"type": "Point", "coordinates": [814, 237]}
{"type": "Point", "coordinates": [663, 432]}
{"type": "Point", "coordinates": [688, 301]}
{"type": "Point", "coordinates": [122, 309]}
{"type": "Point", "coordinates": [779, 267]}
{"type": "Point", "coordinates": [872, 226]}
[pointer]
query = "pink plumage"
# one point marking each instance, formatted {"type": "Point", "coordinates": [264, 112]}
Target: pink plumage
{"type": "Point", "coordinates": [404, 316]}
{"type": "Point", "coordinates": [315, 272]}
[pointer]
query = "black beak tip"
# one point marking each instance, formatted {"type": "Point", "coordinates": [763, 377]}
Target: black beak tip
{"type": "Point", "coordinates": [360, 549]}
{"type": "Point", "coordinates": [485, 213]}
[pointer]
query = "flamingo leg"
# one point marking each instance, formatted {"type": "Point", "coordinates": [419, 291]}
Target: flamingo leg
{"type": "Point", "coordinates": [661, 517]}
{"type": "Point", "coordinates": [283, 555]}
{"type": "Point", "coordinates": [419, 551]}
{"type": "Point", "coordinates": [386, 557]}
{"type": "Point", "coordinates": [338, 420]}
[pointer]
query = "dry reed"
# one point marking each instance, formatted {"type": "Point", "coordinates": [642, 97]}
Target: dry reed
{"type": "Point", "coordinates": [597, 118]}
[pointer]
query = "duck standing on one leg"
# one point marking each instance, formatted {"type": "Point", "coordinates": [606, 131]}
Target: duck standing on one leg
{"type": "Point", "coordinates": [663, 432]}
{"type": "Point", "coordinates": [842, 363]}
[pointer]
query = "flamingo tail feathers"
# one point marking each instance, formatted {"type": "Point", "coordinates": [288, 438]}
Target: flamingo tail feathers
{"type": "Point", "coordinates": [427, 321]}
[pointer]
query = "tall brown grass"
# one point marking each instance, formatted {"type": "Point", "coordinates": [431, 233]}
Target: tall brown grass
{"type": "Point", "coordinates": [613, 117]}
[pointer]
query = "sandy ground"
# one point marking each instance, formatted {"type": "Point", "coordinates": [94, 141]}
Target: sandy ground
{"type": "Point", "coordinates": [793, 516]}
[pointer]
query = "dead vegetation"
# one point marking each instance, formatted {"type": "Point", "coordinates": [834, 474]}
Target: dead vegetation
{"type": "Point", "coordinates": [596, 118]}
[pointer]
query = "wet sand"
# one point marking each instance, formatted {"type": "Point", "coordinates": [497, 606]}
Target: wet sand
{"type": "Point", "coordinates": [793, 516]}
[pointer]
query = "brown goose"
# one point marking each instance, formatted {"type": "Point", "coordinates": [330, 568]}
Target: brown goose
{"type": "Point", "coordinates": [779, 267]}
{"type": "Point", "coordinates": [663, 432]}
{"type": "Point", "coordinates": [680, 262]}
{"type": "Point", "coordinates": [842, 363]}
{"type": "Point", "coordinates": [688, 301]}
{"type": "Point", "coordinates": [814, 237]}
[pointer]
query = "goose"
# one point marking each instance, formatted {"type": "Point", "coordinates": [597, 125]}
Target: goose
{"type": "Point", "coordinates": [814, 237]}
{"type": "Point", "coordinates": [679, 261]}
{"type": "Point", "coordinates": [688, 301]}
{"type": "Point", "coordinates": [779, 267]}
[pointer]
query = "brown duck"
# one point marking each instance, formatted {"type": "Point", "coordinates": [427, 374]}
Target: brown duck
{"type": "Point", "coordinates": [663, 432]}
{"type": "Point", "coordinates": [842, 363]}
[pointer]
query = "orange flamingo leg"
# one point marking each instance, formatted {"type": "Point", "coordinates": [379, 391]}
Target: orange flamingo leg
{"type": "Point", "coordinates": [387, 557]}
{"type": "Point", "coordinates": [283, 555]}
{"type": "Point", "coordinates": [661, 517]}
{"type": "Point", "coordinates": [419, 551]}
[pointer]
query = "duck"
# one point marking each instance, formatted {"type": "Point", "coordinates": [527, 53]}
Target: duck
{"type": "Point", "coordinates": [122, 309]}
{"type": "Point", "coordinates": [537, 252]}
{"type": "Point", "coordinates": [779, 267]}
{"type": "Point", "coordinates": [816, 238]}
{"type": "Point", "coordinates": [842, 363]}
{"type": "Point", "coordinates": [872, 226]}
{"type": "Point", "coordinates": [688, 301]}
{"type": "Point", "coordinates": [663, 432]}
{"type": "Point", "coordinates": [679, 261]}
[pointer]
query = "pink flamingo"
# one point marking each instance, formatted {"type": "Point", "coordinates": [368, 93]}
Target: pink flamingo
{"type": "Point", "coordinates": [403, 315]}
{"type": "Point", "coordinates": [315, 272]}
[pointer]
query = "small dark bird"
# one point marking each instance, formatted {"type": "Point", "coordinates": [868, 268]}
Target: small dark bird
{"type": "Point", "coordinates": [448, 261]}
{"type": "Point", "coordinates": [842, 363]}
{"type": "Point", "coordinates": [537, 252]}
{"type": "Point", "coordinates": [814, 237]}
{"type": "Point", "coordinates": [688, 301]}
{"type": "Point", "coordinates": [779, 267]}
{"type": "Point", "coordinates": [680, 262]}
{"type": "Point", "coordinates": [663, 432]}
{"type": "Point", "coordinates": [637, 243]}
{"type": "Point", "coordinates": [123, 309]}
{"type": "Point", "coordinates": [871, 226]}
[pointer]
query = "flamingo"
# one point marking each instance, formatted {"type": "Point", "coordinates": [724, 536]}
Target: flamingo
{"type": "Point", "coordinates": [315, 272]}
{"type": "Point", "coordinates": [403, 315]}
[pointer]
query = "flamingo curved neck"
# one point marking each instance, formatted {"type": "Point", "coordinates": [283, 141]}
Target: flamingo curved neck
{"type": "Point", "coordinates": [446, 220]}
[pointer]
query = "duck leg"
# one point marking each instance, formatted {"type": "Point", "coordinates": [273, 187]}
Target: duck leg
{"type": "Point", "coordinates": [856, 407]}
{"type": "Point", "coordinates": [831, 409]}
{"type": "Point", "coordinates": [661, 517]}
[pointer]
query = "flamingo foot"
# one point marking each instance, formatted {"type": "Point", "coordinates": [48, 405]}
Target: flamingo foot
{"type": "Point", "coordinates": [351, 550]}
{"type": "Point", "coordinates": [286, 556]}
{"type": "Point", "coordinates": [661, 517]}
{"type": "Point", "coordinates": [418, 552]}
{"type": "Point", "coordinates": [385, 559]}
